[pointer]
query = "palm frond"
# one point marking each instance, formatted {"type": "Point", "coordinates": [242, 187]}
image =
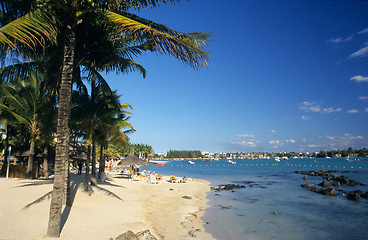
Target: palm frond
{"type": "Point", "coordinates": [17, 71]}
{"type": "Point", "coordinates": [33, 29]}
{"type": "Point", "coordinates": [187, 47]}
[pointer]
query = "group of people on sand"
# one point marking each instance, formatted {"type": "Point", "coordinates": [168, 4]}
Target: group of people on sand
{"type": "Point", "coordinates": [174, 179]}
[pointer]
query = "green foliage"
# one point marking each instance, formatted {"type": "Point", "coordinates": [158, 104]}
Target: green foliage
{"type": "Point", "coordinates": [184, 154]}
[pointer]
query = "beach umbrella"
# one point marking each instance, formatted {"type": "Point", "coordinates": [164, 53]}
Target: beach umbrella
{"type": "Point", "coordinates": [132, 160]}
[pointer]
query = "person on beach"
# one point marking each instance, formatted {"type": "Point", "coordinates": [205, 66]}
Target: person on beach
{"type": "Point", "coordinates": [80, 166]}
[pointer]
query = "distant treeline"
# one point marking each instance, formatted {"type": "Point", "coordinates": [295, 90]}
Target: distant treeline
{"type": "Point", "coordinates": [184, 154]}
{"type": "Point", "coordinates": [350, 152]}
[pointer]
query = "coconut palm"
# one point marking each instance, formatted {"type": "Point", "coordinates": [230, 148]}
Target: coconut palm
{"type": "Point", "coordinates": [28, 101]}
{"type": "Point", "coordinates": [114, 126]}
{"type": "Point", "coordinates": [26, 22]}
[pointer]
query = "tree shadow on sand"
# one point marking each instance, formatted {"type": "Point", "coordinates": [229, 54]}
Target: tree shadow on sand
{"type": "Point", "coordinates": [76, 181]}
{"type": "Point", "coordinates": [37, 182]}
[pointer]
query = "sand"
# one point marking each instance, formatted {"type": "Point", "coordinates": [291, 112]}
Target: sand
{"type": "Point", "coordinates": [107, 210]}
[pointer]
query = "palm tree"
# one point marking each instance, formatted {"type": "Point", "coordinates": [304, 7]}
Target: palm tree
{"type": "Point", "coordinates": [28, 29]}
{"type": "Point", "coordinates": [114, 126]}
{"type": "Point", "coordinates": [27, 101]}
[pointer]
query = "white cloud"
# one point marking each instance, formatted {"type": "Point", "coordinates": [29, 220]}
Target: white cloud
{"type": "Point", "coordinates": [365, 30]}
{"type": "Point", "coordinates": [363, 98]}
{"type": "Point", "coordinates": [273, 131]}
{"type": "Point", "coordinates": [290, 141]}
{"type": "Point", "coordinates": [331, 110]}
{"type": "Point", "coordinates": [245, 136]}
{"type": "Point", "coordinates": [313, 146]}
{"type": "Point", "coordinates": [359, 79]}
{"type": "Point", "coordinates": [360, 53]}
{"type": "Point", "coordinates": [305, 118]}
{"type": "Point", "coordinates": [341, 40]}
{"type": "Point", "coordinates": [309, 106]}
{"type": "Point", "coordinates": [314, 107]}
{"type": "Point", "coordinates": [352, 111]}
{"type": "Point", "coordinates": [245, 143]}
{"type": "Point", "coordinates": [366, 109]}
{"type": "Point", "coordinates": [330, 137]}
{"type": "Point", "coordinates": [274, 142]}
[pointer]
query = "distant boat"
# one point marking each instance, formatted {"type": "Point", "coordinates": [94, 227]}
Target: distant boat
{"type": "Point", "coordinates": [285, 158]}
{"type": "Point", "coordinates": [277, 159]}
{"type": "Point", "coordinates": [191, 162]}
{"type": "Point", "coordinates": [232, 162]}
{"type": "Point", "coordinates": [158, 162]}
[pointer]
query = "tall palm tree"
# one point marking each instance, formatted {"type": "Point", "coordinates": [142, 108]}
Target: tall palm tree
{"type": "Point", "coordinates": [28, 101]}
{"type": "Point", "coordinates": [29, 31]}
{"type": "Point", "coordinates": [114, 126]}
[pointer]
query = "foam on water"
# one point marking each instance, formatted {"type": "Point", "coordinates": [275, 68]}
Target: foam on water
{"type": "Point", "coordinates": [249, 213]}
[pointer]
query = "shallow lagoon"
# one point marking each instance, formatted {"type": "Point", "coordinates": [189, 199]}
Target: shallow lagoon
{"type": "Point", "coordinates": [302, 214]}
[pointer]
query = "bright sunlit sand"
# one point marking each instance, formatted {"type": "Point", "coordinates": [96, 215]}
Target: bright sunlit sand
{"type": "Point", "coordinates": [108, 210]}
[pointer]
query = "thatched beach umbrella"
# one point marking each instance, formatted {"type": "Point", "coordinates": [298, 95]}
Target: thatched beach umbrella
{"type": "Point", "coordinates": [132, 160]}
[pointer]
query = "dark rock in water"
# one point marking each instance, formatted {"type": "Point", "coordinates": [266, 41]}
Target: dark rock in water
{"type": "Point", "coordinates": [343, 180]}
{"type": "Point", "coordinates": [353, 196]}
{"type": "Point", "coordinates": [305, 178]}
{"type": "Point", "coordinates": [186, 197]}
{"type": "Point", "coordinates": [330, 192]}
{"type": "Point", "coordinates": [325, 191]}
{"type": "Point", "coordinates": [336, 184]}
{"type": "Point", "coordinates": [227, 187]}
{"type": "Point", "coordinates": [244, 182]}
{"type": "Point", "coordinates": [325, 183]}
{"type": "Point", "coordinates": [145, 235]}
{"type": "Point", "coordinates": [308, 185]}
{"type": "Point", "coordinates": [353, 182]}
{"type": "Point", "coordinates": [364, 195]}
{"type": "Point", "coordinates": [129, 235]}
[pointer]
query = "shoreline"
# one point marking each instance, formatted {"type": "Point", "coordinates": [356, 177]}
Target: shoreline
{"type": "Point", "coordinates": [107, 210]}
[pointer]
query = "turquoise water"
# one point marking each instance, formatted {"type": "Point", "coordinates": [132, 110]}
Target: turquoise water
{"type": "Point", "coordinates": [273, 186]}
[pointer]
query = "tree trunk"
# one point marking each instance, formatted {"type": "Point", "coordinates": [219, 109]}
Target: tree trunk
{"type": "Point", "coordinates": [6, 152]}
{"type": "Point", "coordinates": [45, 163]}
{"type": "Point", "coordinates": [93, 175]}
{"type": "Point", "coordinates": [102, 162]}
{"type": "Point", "coordinates": [62, 144]}
{"type": "Point", "coordinates": [86, 180]}
{"type": "Point", "coordinates": [30, 157]}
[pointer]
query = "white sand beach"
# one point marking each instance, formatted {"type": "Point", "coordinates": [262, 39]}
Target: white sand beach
{"type": "Point", "coordinates": [108, 210]}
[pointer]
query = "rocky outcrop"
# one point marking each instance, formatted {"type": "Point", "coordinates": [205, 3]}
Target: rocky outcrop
{"type": "Point", "coordinates": [325, 183]}
{"type": "Point", "coordinates": [129, 235]}
{"type": "Point", "coordinates": [227, 187]}
{"type": "Point", "coordinates": [331, 178]}
{"type": "Point", "coordinates": [353, 196]}
{"type": "Point", "coordinates": [308, 185]}
{"type": "Point", "coordinates": [325, 191]}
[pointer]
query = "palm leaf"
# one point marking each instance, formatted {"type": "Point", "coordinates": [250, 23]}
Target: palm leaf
{"type": "Point", "coordinates": [188, 47]}
{"type": "Point", "coordinates": [31, 30]}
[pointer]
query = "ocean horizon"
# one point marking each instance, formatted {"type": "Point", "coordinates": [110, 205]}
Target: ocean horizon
{"type": "Point", "coordinates": [273, 205]}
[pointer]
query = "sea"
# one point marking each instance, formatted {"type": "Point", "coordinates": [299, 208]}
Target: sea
{"type": "Point", "coordinates": [273, 205]}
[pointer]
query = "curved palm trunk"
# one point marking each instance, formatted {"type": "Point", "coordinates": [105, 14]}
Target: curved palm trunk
{"type": "Point", "coordinates": [62, 145]}
{"type": "Point", "coordinates": [30, 157]}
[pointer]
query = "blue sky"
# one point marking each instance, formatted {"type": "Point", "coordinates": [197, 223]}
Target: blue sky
{"type": "Point", "coordinates": [284, 76]}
